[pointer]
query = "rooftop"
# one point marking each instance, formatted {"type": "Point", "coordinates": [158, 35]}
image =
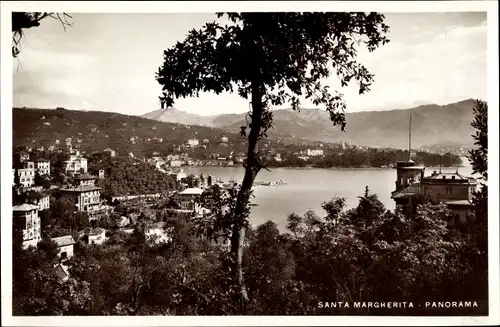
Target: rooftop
{"type": "Point", "coordinates": [458, 202]}
{"type": "Point", "coordinates": [412, 190]}
{"type": "Point", "coordinates": [81, 188]}
{"type": "Point", "coordinates": [42, 160]}
{"type": "Point", "coordinates": [84, 177]}
{"type": "Point", "coordinates": [192, 191]}
{"type": "Point", "coordinates": [92, 231]}
{"type": "Point", "coordinates": [25, 207]}
{"type": "Point", "coordinates": [64, 240]}
{"type": "Point", "coordinates": [37, 195]}
{"type": "Point", "coordinates": [449, 176]}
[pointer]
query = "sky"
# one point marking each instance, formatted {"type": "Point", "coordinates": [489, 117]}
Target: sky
{"type": "Point", "coordinates": [108, 62]}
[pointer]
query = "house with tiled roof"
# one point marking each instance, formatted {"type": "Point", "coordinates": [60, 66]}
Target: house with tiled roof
{"type": "Point", "coordinates": [65, 245]}
{"type": "Point", "coordinates": [93, 235]}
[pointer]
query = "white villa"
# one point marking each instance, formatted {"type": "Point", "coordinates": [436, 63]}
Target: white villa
{"type": "Point", "coordinates": [76, 164]}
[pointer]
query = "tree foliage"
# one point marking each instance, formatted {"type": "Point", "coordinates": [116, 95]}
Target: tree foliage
{"type": "Point", "coordinates": [21, 21]}
{"type": "Point", "coordinates": [270, 59]}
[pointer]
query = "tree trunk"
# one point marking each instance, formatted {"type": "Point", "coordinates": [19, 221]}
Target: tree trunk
{"type": "Point", "coordinates": [251, 170]}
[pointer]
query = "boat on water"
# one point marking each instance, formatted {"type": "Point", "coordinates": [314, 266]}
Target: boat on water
{"type": "Point", "coordinates": [280, 182]}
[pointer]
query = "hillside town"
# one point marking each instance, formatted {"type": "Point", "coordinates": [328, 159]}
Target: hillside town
{"type": "Point", "coordinates": [269, 164]}
{"type": "Point", "coordinates": [453, 189]}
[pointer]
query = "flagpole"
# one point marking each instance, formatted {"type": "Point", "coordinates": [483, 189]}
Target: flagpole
{"type": "Point", "coordinates": [409, 141]}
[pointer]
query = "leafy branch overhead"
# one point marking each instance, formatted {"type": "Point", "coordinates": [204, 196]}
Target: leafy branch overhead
{"type": "Point", "coordinates": [25, 20]}
{"type": "Point", "coordinates": [291, 53]}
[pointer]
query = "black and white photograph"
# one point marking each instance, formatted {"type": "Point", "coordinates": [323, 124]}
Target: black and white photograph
{"type": "Point", "coordinates": [241, 163]}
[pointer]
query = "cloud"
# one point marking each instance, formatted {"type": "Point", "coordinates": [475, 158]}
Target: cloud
{"type": "Point", "coordinates": [423, 62]}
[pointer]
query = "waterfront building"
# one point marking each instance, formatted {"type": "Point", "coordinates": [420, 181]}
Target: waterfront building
{"type": "Point", "coordinates": [453, 189]}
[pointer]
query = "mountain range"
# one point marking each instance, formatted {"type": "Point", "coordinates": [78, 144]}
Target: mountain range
{"type": "Point", "coordinates": [431, 124]}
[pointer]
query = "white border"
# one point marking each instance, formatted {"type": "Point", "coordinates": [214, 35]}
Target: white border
{"type": "Point", "coordinates": [491, 7]}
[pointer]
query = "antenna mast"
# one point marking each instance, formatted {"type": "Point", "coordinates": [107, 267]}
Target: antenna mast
{"type": "Point", "coordinates": [409, 140]}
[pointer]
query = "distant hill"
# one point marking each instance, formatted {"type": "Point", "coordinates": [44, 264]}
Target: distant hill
{"type": "Point", "coordinates": [97, 130]}
{"type": "Point", "coordinates": [431, 124]}
{"type": "Point", "coordinates": [172, 115]}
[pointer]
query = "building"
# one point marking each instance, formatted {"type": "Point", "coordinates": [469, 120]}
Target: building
{"type": "Point", "coordinates": [65, 246]}
{"type": "Point", "coordinates": [76, 164]}
{"type": "Point", "coordinates": [39, 199]}
{"type": "Point", "coordinates": [42, 166]}
{"type": "Point", "coordinates": [26, 176]}
{"type": "Point", "coordinates": [175, 163]}
{"type": "Point", "coordinates": [25, 218]}
{"type": "Point", "coordinates": [224, 139]}
{"type": "Point", "coordinates": [452, 189]}
{"type": "Point", "coordinates": [95, 236]}
{"type": "Point", "coordinates": [314, 153]}
{"type": "Point", "coordinates": [189, 199]}
{"type": "Point", "coordinates": [101, 174]}
{"type": "Point", "coordinates": [111, 152]}
{"type": "Point", "coordinates": [193, 142]}
{"type": "Point", "coordinates": [86, 196]}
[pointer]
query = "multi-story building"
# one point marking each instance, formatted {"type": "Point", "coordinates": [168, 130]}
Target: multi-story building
{"type": "Point", "coordinates": [42, 166]}
{"type": "Point", "coordinates": [25, 218]}
{"type": "Point", "coordinates": [26, 174]}
{"type": "Point", "coordinates": [76, 164]}
{"type": "Point", "coordinates": [39, 199]}
{"type": "Point", "coordinates": [189, 197]}
{"type": "Point", "coordinates": [452, 189]}
{"type": "Point", "coordinates": [86, 196]}
{"type": "Point", "coordinates": [193, 142]}
{"type": "Point", "coordinates": [314, 153]}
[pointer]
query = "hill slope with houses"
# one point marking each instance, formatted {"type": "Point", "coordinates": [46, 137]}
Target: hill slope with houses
{"type": "Point", "coordinates": [431, 125]}
{"type": "Point", "coordinates": [96, 131]}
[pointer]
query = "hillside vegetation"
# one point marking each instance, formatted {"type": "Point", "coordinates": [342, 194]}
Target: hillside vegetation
{"type": "Point", "coordinates": [98, 130]}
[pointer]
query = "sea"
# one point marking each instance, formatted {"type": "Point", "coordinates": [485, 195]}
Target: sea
{"type": "Point", "coordinates": [307, 188]}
